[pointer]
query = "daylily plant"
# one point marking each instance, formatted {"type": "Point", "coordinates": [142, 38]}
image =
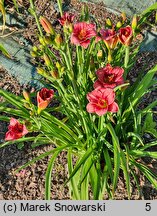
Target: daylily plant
{"type": "Point", "coordinates": [85, 67]}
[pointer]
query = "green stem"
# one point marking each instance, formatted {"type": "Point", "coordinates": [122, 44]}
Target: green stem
{"type": "Point", "coordinates": [59, 2]}
{"type": "Point", "coordinates": [33, 11]}
{"type": "Point", "coordinates": [100, 123]}
{"type": "Point", "coordinates": [126, 60]}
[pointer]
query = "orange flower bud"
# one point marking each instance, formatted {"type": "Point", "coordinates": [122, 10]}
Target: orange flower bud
{"type": "Point", "coordinates": [58, 40]}
{"type": "Point", "coordinates": [54, 74]}
{"type": "Point", "coordinates": [123, 15]}
{"type": "Point", "coordinates": [47, 26]}
{"type": "Point", "coordinates": [26, 95]}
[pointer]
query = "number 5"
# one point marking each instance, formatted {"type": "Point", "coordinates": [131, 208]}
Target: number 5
{"type": "Point", "coordinates": [148, 207]}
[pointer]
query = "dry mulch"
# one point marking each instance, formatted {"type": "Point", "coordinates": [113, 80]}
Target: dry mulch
{"type": "Point", "coordinates": [29, 184]}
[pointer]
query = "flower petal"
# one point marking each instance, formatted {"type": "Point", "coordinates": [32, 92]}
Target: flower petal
{"type": "Point", "coordinates": [109, 95]}
{"type": "Point", "coordinates": [113, 107]}
{"type": "Point", "coordinates": [13, 122]}
{"type": "Point", "coordinates": [100, 112]}
{"type": "Point", "coordinates": [90, 108]}
{"type": "Point", "coordinates": [98, 84]}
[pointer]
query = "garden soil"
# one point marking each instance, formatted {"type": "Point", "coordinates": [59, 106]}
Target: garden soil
{"type": "Point", "coordinates": [30, 182]}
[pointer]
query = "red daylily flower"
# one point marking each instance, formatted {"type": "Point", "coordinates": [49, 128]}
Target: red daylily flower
{"type": "Point", "coordinates": [109, 77]}
{"type": "Point", "coordinates": [66, 19]}
{"type": "Point", "coordinates": [15, 130]}
{"type": "Point", "coordinates": [101, 101]}
{"type": "Point", "coordinates": [126, 35]}
{"type": "Point", "coordinates": [44, 97]}
{"type": "Point", "coordinates": [82, 33]}
{"type": "Point", "coordinates": [110, 38]}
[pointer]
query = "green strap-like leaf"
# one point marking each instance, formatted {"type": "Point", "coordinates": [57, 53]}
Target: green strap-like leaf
{"type": "Point", "coordinates": [80, 163]}
{"type": "Point", "coordinates": [48, 175]}
{"type": "Point", "coordinates": [95, 182]}
{"type": "Point", "coordinates": [148, 145]}
{"type": "Point", "coordinates": [116, 156]}
{"type": "Point", "coordinates": [126, 171]}
{"type": "Point", "coordinates": [4, 51]}
{"type": "Point", "coordinates": [74, 180]}
{"type": "Point", "coordinates": [14, 100]}
{"type": "Point", "coordinates": [140, 91]}
{"type": "Point", "coordinates": [108, 163]}
{"type": "Point", "coordinates": [139, 153]}
{"type": "Point", "coordinates": [152, 177]}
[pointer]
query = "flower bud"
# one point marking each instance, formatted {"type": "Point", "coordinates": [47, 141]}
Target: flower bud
{"type": "Point", "coordinates": [41, 71]}
{"type": "Point", "coordinates": [62, 70]}
{"type": "Point", "coordinates": [33, 54]}
{"type": "Point", "coordinates": [47, 60]}
{"type": "Point", "coordinates": [118, 25]}
{"type": "Point", "coordinates": [54, 74]}
{"type": "Point", "coordinates": [42, 41]}
{"type": "Point", "coordinates": [26, 105]}
{"type": "Point", "coordinates": [58, 40]}
{"type": "Point", "coordinates": [58, 65]}
{"type": "Point", "coordinates": [26, 95]}
{"type": "Point", "coordinates": [35, 49]}
{"type": "Point", "coordinates": [47, 26]}
{"type": "Point", "coordinates": [48, 40]}
{"type": "Point", "coordinates": [134, 22]}
{"type": "Point", "coordinates": [123, 15]}
{"type": "Point", "coordinates": [109, 58]}
{"type": "Point", "coordinates": [41, 47]}
{"type": "Point", "coordinates": [108, 22]}
{"type": "Point", "coordinates": [99, 54]}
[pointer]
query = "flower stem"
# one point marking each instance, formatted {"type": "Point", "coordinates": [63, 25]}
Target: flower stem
{"type": "Point", "coordinates": [59, 2]}
{"type": "Point", "coordinates": [33, 12]}
{"type": "Point", "coordinates": [126, 59]}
